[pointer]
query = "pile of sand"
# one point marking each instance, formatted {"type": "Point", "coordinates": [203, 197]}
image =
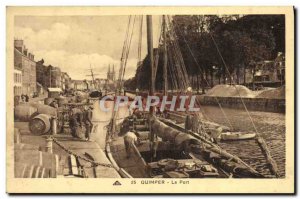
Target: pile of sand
{"type": "Point", "coordinates": [230, 91]}
{"type": "Point", "coordinates": [276, 93]}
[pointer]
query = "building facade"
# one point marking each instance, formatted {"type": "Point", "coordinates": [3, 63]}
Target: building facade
{"type": "Point", "coordinates": [24, 62]}
{"type": "Point", "coordinates": [64, 79]}
{"type": "Point", "coordinates": [270, 72]}
{"type": "Point", "coordinates": [41, 73]}
{"type": "Point", "coordinates": [17, 82]}
{"type": "Point", "coordinates": [54, 74]}
{"type": "Point", "coordinates": [79, 85]}
{"type": "Point", "coordinates": [51, 77]}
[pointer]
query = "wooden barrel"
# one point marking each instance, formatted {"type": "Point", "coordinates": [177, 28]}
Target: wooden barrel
{"type": "Point", "coordinates": [40, 124]}
{"type": "Point", "coordinates": [45, 109]}
{"type": "Point", "coordinates": [48, 100]}
{"type": "Point", "coordinates": [23, 112]}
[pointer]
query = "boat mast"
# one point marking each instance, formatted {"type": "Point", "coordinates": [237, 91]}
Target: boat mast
{"type": "Point", "coordinates": [93, 76]}
{"type": "Point", "coordinates": [151, 83]}
{"type": "Point", "coordinates": [150, 53]}
{"type": "Point", "coordinates": [165, 77]}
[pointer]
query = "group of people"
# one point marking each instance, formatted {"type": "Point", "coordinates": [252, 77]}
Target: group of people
{"type": "Point", "coordinates": [25, 98]}
{"type": "Point", "coordinates": [80, 122]}
{"type": "Point", "coordinates": [130, 135]}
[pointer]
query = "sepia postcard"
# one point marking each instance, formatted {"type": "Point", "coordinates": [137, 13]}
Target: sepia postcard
{"type": "Point", "coordinates": [150, 100]}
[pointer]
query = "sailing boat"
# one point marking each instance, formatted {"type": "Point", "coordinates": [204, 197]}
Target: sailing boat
{"type": "Point", "coordinates": [94, 92]}
{"type": "Point", "coordinates": [168, 150]}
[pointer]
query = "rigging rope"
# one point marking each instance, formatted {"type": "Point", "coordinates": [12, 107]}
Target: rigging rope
{"type": "Point", "coordinates": [261, 141]}
{"type": "Point", "coordinates": [124, 58]}
{"type": "Point", "coordinates": [123, 51]}
{"type": "Point", "coordinates": [140, 40]}
{"type": "Point", "coordinates": [175, 54]}
{"type": "Point", "coordinates": [156, 56]}
{"type": "Point", "coordinates": [202, 70]}
{"type": "Point", "coordinates": [200, 129]}
{"type": "Point", "coordinates": [227, 70]}
{"type": "Point", "coordinates": [127, 53]}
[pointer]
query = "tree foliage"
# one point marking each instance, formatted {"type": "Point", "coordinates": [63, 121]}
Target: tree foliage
{"type": "Point", "coordinates": [221, 45]}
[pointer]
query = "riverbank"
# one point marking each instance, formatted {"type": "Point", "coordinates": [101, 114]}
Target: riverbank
{"type": "Point", "coordinates": [253, 104]}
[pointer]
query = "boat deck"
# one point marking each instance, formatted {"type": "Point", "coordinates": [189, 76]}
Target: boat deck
{"type": "Point", "coordinates": [133, 165]}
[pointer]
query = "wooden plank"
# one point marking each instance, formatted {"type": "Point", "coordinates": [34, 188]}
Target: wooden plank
{"type": "Point", "coordinates": [74, 168]}
{"type": "Point", "coordinates": [30, 173]}
{"type": "Point", "coordinates": [37, 171]}
{"type": "Point", "coordinates": [43, 172]}
{"type": "Point", "coordinates": [24, 171]}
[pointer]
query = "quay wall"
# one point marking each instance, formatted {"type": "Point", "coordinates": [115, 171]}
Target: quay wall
{"type": "Point", "coordinates": [253, 104]}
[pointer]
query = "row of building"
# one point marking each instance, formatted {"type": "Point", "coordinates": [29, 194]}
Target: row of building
{"type": "Point", "coordinates": [34, 78]}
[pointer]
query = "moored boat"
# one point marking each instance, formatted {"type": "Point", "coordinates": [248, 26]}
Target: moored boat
{"type": "Point", "coordinates": [235, 136]}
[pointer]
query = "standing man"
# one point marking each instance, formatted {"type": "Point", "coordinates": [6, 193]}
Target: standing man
{"type": "Point", "coordinates": [54, 104]}
{"type": "Point", "coordinates": [87, 120]}
{"type": "Point", "coordinates": [76, 123]}
{"type": "Point", "coordinates": [73, 123]}
{"type": "Point", "coordinates": [26, 98]}
{"type": "Point", "coordinates": [23, 97]}
{"type": "Point", "coordinates": [130, 138]}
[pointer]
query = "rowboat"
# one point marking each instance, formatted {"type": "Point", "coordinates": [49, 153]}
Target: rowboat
{"type": "Point", "coordinates": [232, 136]}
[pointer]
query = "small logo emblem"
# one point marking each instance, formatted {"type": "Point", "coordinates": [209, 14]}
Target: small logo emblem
{"type": "Point", "coordinates": [117, 183]}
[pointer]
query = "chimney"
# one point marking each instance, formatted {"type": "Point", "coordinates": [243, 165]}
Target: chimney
{"type": "Point", "coordinates": [19, 45]}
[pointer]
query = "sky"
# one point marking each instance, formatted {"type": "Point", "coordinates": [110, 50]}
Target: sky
{"type": "Point", "coordinates": [73, 43]}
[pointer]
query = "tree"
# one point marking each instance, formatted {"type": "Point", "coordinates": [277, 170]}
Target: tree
{"type": "Point", "coordinates": [221, 46]}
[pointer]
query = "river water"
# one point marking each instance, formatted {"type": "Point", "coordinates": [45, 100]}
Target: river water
{"type": "Point", "coordinates": [271, 126]}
